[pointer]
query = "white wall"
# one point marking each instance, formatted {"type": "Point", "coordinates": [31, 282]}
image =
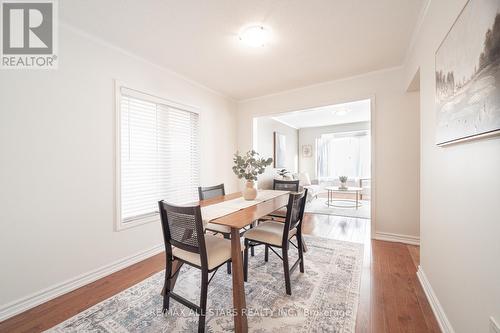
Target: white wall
{"type": "Point", "coordinates": [460, 191]}
{"type": "Point", "coordinates": [396, 137]}
{"type": "Point", "coordinates": [308, 136]}
{"type": "Point", "coordinates": [266, 127]}
{"type": "Point", "coordinates": [57, 162]}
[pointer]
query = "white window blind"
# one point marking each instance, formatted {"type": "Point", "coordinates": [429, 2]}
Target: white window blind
{"type": "Point", "coordinates": [159, 155]}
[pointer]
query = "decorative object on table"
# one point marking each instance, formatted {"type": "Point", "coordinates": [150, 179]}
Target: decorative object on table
{"type": "Point", "coordinates": [343, 182]}
{"type": "Point", "coordinates": [283, 173]}
{"type": "Point", "coordinates": [249, 166]}
{"type": "Point", "coordinates": [306, 151]}
{"type": "Point", "coordinates": [279, 150]}
{"type": "Point", "coordinates": [468, 75]}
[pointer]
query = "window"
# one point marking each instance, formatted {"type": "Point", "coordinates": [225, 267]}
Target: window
{"type": "Point", "coordinates": [343, 154]}
{"type": "Point", "coordinates": [158, 156]}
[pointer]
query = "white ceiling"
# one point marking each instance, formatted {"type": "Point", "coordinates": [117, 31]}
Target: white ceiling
{"type": "Point", "coordinates": [313, 40]}
{"type": "Point", "coordinates": [351, 112]}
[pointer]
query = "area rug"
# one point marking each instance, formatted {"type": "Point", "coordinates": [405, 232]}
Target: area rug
{"type": "Point", "coordinates": [318, 206]}
{"type": "Point", "coordinates": [324, 298]}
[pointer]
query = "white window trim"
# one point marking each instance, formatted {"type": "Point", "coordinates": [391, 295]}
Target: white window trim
{"type": "Point", "coordinates": [119, 225]}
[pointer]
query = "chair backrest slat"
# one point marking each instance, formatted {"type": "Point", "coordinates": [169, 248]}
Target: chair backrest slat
{"type": "Point", "coordinates": [183, 228]}
{"type": "Point", "coordinates": [294, 212]}
{"type": "Point", "coordinates": [209, 192]}
{"type": "Point", "coordinates": [286, 185]}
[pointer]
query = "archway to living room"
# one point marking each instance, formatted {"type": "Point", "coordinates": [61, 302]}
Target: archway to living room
{"type": "Point", "coordinates": [329, 150]}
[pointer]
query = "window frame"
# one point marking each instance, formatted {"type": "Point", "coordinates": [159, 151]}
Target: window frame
{"type": "Point", "coordinates": [341, 134]}
{"type": "Point", "coordinates": [119, 225]}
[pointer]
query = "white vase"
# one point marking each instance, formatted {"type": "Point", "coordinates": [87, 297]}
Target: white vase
{"type": "Point", "coordinates": [250, 192]}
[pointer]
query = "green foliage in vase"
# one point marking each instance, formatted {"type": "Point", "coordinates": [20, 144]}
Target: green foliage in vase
{"type": "Point", "coordinates": [343, 179]}
{"type": "Point", "coordinates": [250, 165]}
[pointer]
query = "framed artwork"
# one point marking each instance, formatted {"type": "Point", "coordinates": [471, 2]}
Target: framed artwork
{"type": "Point", "coordinates": [468, 75]}
{"type": "Point", "coordinates": [279, 150]}
{"type": "Point", "coordinates": [306, 151]}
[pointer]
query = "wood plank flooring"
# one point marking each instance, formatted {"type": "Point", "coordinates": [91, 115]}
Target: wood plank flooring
{"type": "Point", "coordinates": [391, 298]}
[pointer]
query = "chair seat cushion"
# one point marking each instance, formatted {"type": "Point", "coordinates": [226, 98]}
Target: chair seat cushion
{"type": "Point", "coordinates": [218, 252]}
{"type": "Point", "coordinates": [218, 228]}
{"type": "Point", "coordinates": [269, 232]}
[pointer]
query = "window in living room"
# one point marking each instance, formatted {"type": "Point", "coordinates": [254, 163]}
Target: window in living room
{"type": "Point", "coordinates": [343, 154]}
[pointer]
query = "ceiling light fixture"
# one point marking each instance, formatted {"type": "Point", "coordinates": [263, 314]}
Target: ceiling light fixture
{"type": "Point", "coordinates": [341, 112]}
{"type": "Point", "coordinates": [255, 36]}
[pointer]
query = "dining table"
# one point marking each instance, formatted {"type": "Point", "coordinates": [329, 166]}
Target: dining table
{"type": "Point", "coordinates": [237, 219]}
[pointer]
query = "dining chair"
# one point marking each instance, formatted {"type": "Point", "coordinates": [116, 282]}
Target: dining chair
{"type": "Point", "coordinates": [286, 185]}
{"type": "Point", "coordinates": [283, 185]}
{"type": "Point", "coordinates": [186, 241]}
{"type": "Point", "coordinates": [274, 234]}
{"type": "Point", "coordinates": [209, 192]}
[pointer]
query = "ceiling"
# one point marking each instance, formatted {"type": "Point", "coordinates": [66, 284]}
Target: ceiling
{"type": "Point", "coordinates": [351, 112]}
{"type": "Point", "coordinates": [312, 41]}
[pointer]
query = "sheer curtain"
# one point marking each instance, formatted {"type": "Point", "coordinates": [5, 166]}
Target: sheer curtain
{"type": "Point", "coordinates": [343, 154]}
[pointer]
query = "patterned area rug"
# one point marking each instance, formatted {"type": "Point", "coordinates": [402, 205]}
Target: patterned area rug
{"type": "Point", "coordinates": [324, 298]}
{"type": "Point", "coordinates": [318, 206]}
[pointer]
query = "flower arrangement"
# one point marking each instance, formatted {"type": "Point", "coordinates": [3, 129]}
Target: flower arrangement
{"type": "Point", "coordinates": [250, 165]}
{"type": "Point", "coordinates": [343, 182]}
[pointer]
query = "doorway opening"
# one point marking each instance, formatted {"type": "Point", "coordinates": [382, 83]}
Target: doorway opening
{"type": "Point", "coordinates": [329, 149]}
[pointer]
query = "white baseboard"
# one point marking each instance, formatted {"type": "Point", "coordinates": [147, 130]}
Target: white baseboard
{"type": "Point", "coordinates": [386, 236]}
{"type": "Point", "coordinates": [26, 303]}
{"type": "Point", "coordinates": [438, 310]}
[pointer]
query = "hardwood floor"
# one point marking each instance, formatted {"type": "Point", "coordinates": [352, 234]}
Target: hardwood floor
{"type": "Point", "coordinates": [391, 298]}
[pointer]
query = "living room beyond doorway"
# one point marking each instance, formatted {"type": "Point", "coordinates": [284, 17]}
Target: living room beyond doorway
{"type": "Point", "coordinates": [328, 149]}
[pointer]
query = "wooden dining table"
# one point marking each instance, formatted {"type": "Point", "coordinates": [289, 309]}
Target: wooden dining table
{"type": "Point", "coordinates": [236, 221]}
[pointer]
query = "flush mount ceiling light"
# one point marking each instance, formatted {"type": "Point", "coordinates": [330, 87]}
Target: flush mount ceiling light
{"type": "Point", "coordinates": [255, 35]}
{"type": "Point", "coordinates": [341, 112]}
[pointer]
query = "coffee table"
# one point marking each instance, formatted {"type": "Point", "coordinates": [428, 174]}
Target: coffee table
{"type": "Point", "coordinates": [343, 203]}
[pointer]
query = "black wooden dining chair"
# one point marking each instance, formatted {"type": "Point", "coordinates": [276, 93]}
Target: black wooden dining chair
{"type": "Point", "coordinates": [286, 185]}
{"type": "Point", "coordinates": [279, 215]}
{"type": "Point", "coordinates": [210, 192]}
{"type": "Point", "coordinates": [274, 234]}
{"type": "Point", "coordinates": [283, 185]}
{"type": "Point", "coordinates": [186, 241]}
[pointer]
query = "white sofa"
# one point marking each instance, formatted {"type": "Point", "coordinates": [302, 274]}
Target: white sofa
{"type": "Point", "coordinates": [314, 187]}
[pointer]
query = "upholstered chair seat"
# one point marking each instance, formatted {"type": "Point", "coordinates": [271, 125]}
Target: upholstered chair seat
{"type": "Point", "coordinates": [218, 252]}
{"type": "Point", "coordinates": [269, 232]}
